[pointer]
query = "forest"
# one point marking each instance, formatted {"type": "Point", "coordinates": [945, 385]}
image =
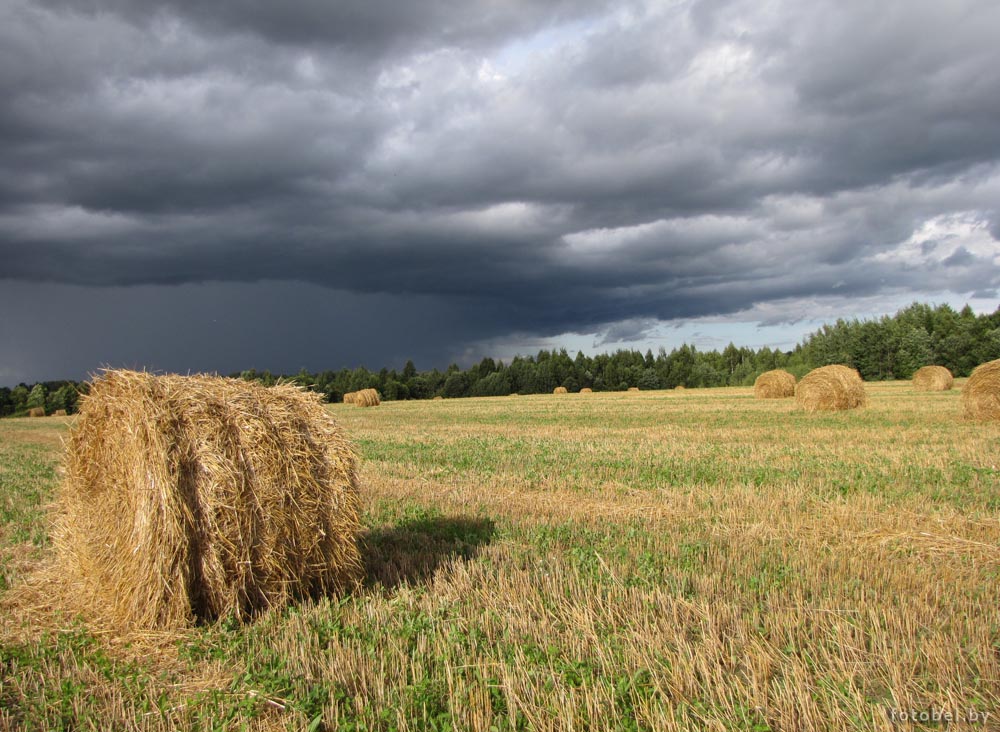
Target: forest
{"type": "Point", "coordinates": [891, 347]}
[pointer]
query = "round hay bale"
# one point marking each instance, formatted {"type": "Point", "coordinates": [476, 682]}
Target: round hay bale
{"type": "Point", "coordinates": [36, 412]}
{"type": "Point", "coordinates": [981, 394]}
{"type": "Point", "coordinates": [198, 497]}
{"type": "Point", "coordinates": [680, 387]}
{"type": "Point", "coordinates": [59, 413]}
{"type": "Point", "coordinates": [933, 378]}
{"type": "Point", "coordinates": [438, 398]}
{"type": "Point", "coordinates": [349, 397]}
{"type": "Point", "coordinates": [831, 388]}
{"type": "Point", "coordinates": [367, 398]}
{"type": "Point", "coordinates": [586, 390]}
{"type": "Point", "coordinates": [776, 384]}
{"type": "Point", "coordinates": [560, 390]}
{"type": "Point", "coordinates": [633, 388]}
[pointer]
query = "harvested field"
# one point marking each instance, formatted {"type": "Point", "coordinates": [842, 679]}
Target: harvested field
{"type": "Point", "coordinates": [712, 562]}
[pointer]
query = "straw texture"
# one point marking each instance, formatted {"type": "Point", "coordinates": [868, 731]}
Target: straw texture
{"type": "Point", "coordinates": [194, 498]}
{"type": "Point", "coordinates": [981, 394]}
{"type": "Point", "coordinates": [933, 378]}
{"type": "Point", "coordinates": [831, 388]}
{"type": "Point", "coordinates": [367, 398]}
{"type": "Point", "coordinates": [776, 384]}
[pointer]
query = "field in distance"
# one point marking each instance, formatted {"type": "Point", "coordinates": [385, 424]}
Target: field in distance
{"type": "Point", "coordinates": [631, 561]}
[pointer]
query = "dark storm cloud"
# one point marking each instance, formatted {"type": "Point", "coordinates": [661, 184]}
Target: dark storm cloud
{"type": "Point", "coordinates": [552, 167]}
{"type": "Point", "coordinates": [211, 327]}
{"type": "Point", "coordinates": [370, 28]}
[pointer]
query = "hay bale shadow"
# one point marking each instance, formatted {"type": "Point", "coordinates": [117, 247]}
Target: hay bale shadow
{"type": "Point", "coordinates": [411, 551]}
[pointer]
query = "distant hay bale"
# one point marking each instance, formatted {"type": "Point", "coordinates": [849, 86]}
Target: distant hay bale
{"type": "Point", "coordinates": [59, 413]}
{"type": "Point", "coordinates": [633, 388]}
{"type": "Point", "coordinates": [679, 387]}
{"type": "Point", "coordinates": [560, 390]}
{"type": "Point", "coordinates": [981, 394]}
{"type": "Point", "coordinates": [198, 497]}
{"type": "Point", "coordinates": [349, 397]}
{"type": "Point", "coordinates": [586, 390]}
{"type": "Point", "coordinates": [776, 384]}
{"type": "Point", "coordinates": [831, 388]}
{"type": "Point", "coordinates": [933, 378]}
{"type": "Point", "coordinates": [36, 412]}
{"type": "Point", "coordinates": [367, 398]}
{"type": "Point", "coordinates": [438, 397]}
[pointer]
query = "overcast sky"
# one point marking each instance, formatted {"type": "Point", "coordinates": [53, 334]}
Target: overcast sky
{"type": "Point", "coordinates": [221, 185]}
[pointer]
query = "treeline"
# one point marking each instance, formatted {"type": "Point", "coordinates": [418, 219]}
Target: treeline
{"type": "Point", "coordinates": [892, 347]}
{"type": "Point", "coordinates": [49, 395]}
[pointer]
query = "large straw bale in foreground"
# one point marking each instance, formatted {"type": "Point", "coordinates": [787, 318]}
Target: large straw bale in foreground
{"type": "Point", "coordinates": [560, 390]}
{"type": "Point", "coordinates": [831, 388]}
{"type": "Point", "coordinates": [981, 394]}
{"type": "Point", "coordinates": [933, 378]}
{"type": "Point", "coordinates": [367, 398]}
{"type": "Point", "coordinates": [199, 497]}
{"type": "Point", "coordinates": [776, 384]}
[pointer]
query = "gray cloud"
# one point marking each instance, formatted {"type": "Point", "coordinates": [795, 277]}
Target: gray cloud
{"type": "Point", "coordinates": [635, 329]}
{"type": "Point", "coordinates": [546, 168]}
{"type": "Point", "coordinates": [961, 257]}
